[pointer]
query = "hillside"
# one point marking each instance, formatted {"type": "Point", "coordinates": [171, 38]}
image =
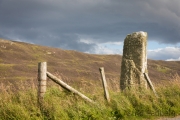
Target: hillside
{"type": "Point", "coordinates": [18, 62]}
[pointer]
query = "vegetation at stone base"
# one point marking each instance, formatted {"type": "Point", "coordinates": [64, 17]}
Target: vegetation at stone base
{"type": "Point", "coordinates": [62, 105]}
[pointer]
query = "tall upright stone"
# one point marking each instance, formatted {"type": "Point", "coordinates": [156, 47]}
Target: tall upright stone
{"type": "Point", "coordinates": [134, 61]}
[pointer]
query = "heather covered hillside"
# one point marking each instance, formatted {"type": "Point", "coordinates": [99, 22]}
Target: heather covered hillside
{"type": "Point", "coordinates": [18, 62]}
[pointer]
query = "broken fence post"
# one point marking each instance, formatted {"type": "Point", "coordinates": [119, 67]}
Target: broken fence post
{"type": "Point", "coordinates": [42, 78]}
{"type": "Point", "coordinates": [105, 86]}
{"type": "Point", "coordinates": [67, 87]}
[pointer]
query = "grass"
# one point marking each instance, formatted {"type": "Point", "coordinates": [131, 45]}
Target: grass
{"type": "Point", "coordinates": [62, 105]}
{"type": "Point", "coordinates": [4, 67]}
{"type": "Point", "coordinates": [163, 69]}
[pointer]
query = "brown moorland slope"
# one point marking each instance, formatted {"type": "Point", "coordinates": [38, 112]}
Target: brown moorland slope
{"type": "Point", "coordinates": [18, 62]}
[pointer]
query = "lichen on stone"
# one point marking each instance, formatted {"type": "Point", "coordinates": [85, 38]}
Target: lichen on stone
{"type": "Point", "coordinates": [134, 61]}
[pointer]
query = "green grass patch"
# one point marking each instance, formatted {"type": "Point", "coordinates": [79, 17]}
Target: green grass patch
{"type": "Point", "coordinates": [5, 68]}
{"type": "Point", "coordinates": [62, 105]}
{"type": "Point", "coordinates": [163, 69]}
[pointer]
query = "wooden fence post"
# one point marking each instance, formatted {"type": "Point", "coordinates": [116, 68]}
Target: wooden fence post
{"type": "Point", "coordinates": [101, 69]}
{"type": "Point", "coordinates": [42, 78]}
{"type": "Point", "coordinates": [150, 84]}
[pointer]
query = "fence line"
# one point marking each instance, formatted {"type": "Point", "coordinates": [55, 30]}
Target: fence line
{"type": "Point", "coordinates": [42, 82]}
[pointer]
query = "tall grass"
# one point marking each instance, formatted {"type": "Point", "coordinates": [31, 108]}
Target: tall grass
{"type": "Point", "coordinates": [62, 105]}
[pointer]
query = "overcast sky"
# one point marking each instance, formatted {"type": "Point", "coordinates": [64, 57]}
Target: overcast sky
{"type": "Point", "coordinates": [93, 26]}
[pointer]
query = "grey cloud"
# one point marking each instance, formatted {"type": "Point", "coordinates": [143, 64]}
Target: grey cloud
{"type": "Point", "coordinates": [62, 23]}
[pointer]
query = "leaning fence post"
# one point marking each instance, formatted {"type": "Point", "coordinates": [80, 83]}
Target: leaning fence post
{"type": "Point", "coordinates": [101, 69]}
{"type": "Point", "coordinates": [42, 78]}
{"type": "Point", "coordinates": [67, 87]}
{"type": "Point", "coordinates": [150, 84]}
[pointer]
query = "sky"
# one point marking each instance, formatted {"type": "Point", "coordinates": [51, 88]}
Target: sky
{"type": "Point", "coordinates": [94, 26]}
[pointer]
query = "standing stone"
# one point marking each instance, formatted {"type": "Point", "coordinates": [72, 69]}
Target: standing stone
{"type": "Point", "coordinates": [134, 61]}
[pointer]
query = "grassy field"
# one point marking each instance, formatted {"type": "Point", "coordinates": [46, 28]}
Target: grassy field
{"type": "Point", "coordinates": [22, 104]}
{"type": "Point", "coordinates": [18, 86]}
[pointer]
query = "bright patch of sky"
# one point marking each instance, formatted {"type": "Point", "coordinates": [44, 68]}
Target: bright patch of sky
{"type": "Point", "coordinates": [110, 48]}
{"type": "Point", "coordinates": [115, 46]}
{"type": "Point", "coordinates": [152, 45]}
{"type": "Point", "coordinates": [166, 52]}
{"type": "Point", "coordinates": [156, 51]}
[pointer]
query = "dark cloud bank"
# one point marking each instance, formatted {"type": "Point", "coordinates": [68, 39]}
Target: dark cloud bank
{"type": "Point", "coordinates": [62, 23]}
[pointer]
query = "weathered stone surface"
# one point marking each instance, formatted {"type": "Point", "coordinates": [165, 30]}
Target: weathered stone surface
{"type": "Point", "coordinates": [134, 61]}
